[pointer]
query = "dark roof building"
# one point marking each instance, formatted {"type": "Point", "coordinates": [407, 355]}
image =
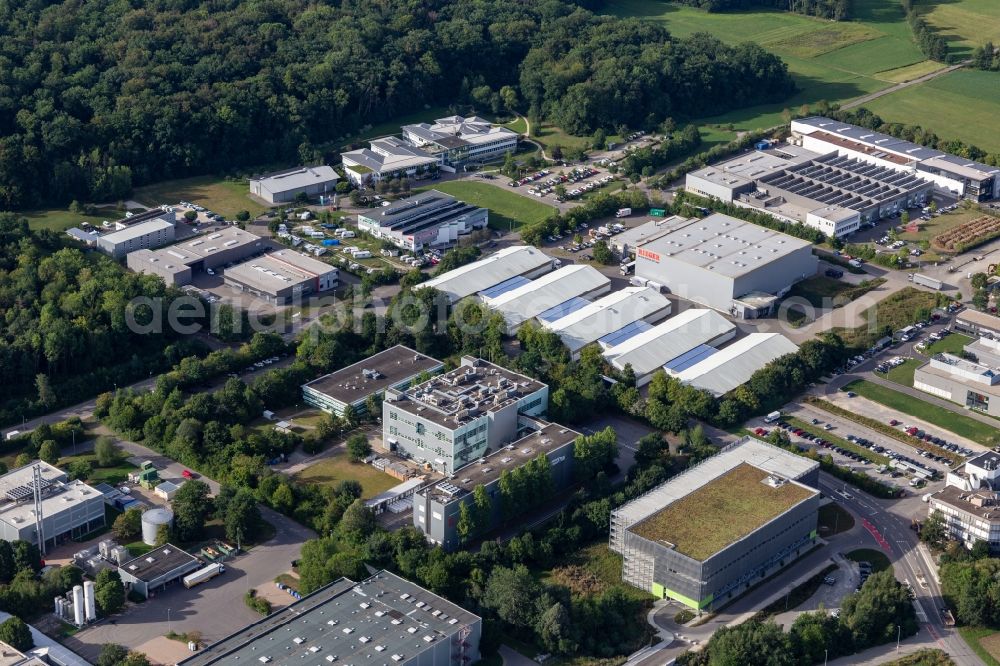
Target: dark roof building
{"type": "Point", "coordinates": [156, 569]}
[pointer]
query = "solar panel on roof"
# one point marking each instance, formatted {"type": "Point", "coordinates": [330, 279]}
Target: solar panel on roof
{"type": "Point", "coordinates": [689, 358]}
{"type": "Point", "coordinates": [505, 286]}
{"type": "Point", "coordinates": [624, 333]}
{"type": "Point", "coordinates": [564, 308]}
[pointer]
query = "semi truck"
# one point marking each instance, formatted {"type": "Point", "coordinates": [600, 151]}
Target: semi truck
{"type": "Point", "coordinates": [203, 574]}
{"type": "Point", "coordinates": [925, 280]}
{"type": "Point", "coordinates": [627, 268]}
{"type": "Point", "coordinates": [623, 212]}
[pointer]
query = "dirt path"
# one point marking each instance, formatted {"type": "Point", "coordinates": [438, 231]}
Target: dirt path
{"type": "Point", "coordinates": [899, 86]}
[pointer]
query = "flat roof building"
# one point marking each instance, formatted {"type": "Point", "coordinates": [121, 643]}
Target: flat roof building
{"type": "Point", "coordinates": [284, 186]}
{"type": "Point", "coordinates": [516, 261]}
{"type": "Point", "coordinates": [436, 507]}
{"type": "Point", "coordinates": [970, 503]}
{"type": "Point", "coordinates": [950, 173]}
{"type": "Point", "coordinates": [720, 371]}
{"type": "Point", "coordinates": [548, 291]}
{"type": "Point", "coordinates": [69, 508]}
{"type": "Point", "coordinates": [156, 569]}
{"type": "Point", "coordinates": [713, 531]}
{"type": "Point", "coordinates": [454, 418]}
{"type": "Point", "coordinates": [150, 233]}
{"type": "Point", "coordinates": [977, 323]}
{"type": "Point", "coordinates": [382, 619]}
{"type": "Point", "coordinates": [609, 314]}
{"type": "Point", "coordinates": [385, 159]}
{"type": "Point", "coordinates": [393, 368]}
{"type": "Point", "coordinates": [177, 264]}
{"type": "Point", "coordinates": [282, 276]}
{"type": "Point", "coordinates": [426, 219]}
{"type": "Point", "coordinates": [647, 351]}
{"type": "Point", "coordinates": [719, 261]}
{"type": "Point", "coordinates": [626, 242]}
{"type": "Point", "coordinates": [973, 385]}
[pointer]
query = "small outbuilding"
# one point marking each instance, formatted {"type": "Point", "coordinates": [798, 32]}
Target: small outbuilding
{"type": "Point", "coordinates": [156, 569]}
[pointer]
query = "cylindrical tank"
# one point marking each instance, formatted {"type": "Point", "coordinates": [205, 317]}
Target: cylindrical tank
{"type": "Point", "coordinates": [78, 607]}
{"type": "Point", "coordinates": [88, 597]}
{"type": "Point", "coordinates": [57, 609]}
{"type": "Point", "coordinates": [151, 521]}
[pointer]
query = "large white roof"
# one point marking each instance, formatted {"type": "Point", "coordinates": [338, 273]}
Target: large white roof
{"type": "Point", "coordinates": [298, 178]}
{"type": "Point", "coordinates": [607, 315]}
{"type": "Point", "coordinates": [728, 368]}
{"type": "Point", "coordinates": [531, 299]}
{"type": "Point", "coordinates": [137, 230]}
{"type": "Point", "coordinates": [650, 349]}
{"type": "Point", "coordinates": [750, 450]}
{"type": "Point", "coordinates": [485, 273]}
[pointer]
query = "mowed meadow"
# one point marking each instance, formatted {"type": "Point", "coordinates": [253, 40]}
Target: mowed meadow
{"type": "Point", "coordinates": [832, 61]}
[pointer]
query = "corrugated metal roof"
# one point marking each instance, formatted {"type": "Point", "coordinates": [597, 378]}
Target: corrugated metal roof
{"type": "Point", "coordinates": [624, 333]}
{"type": "Point", "coordinates": [534, 298]}
{"type": "Point", "coordinates": [488, 272]}
{"type": "Point", "coordinates": [574, 304]}
{"type": "Point", "coordinates": [504, 287]}
{"type": "Point", "coordinates": [608, 315]}
{"type": "Point", "coordinates": [649, 350]}
{"type": "Point", "coordinates": [720, 373]}
{"type": "Point", "coordinates": [687, 359]}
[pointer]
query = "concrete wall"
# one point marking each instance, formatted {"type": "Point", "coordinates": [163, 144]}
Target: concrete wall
{"type": "Point", "coordinates": [705, 187]}
{"type": "Point", "coordinates": [691, 282]}
{"type": "Point", "coordinates": [776, 276]}
{"type": "Point", "coordinates": [955, 390]}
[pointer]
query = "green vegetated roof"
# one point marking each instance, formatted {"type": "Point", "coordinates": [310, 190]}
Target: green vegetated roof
{"type": "Point", "coordinates": [720, 512]}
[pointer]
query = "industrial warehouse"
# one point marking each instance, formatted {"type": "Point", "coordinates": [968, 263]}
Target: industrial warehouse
{"type": "Point", "coordinates": [974, 385]}
{"type": "Point", "coordinates": [154, 228]}
{"type": "Point", "coordinates": [727, 264]}
{"type": "Point", "coordinates": [282, 276]}
{"type": "Point", "coordinates": [549, 297]}
{"type": "Point", "coordinates": [436, 508]}
{"type": "Point", "coordinates": [719, 527]}
{"type": "Point", "coordinates": [452, 419]}
{"type": "Point", "coordinates": [158, 568]}
{"type": "Point", "coordinates": [954, 175]}
{"type": "Point", "coordinates": [607, 315]}
{"type": "Point", "coordinates": [178, 264]}
{"type": "Point", "coordinates": [62, 509]}
{"type": "Point", "coordinates": [518, 261]}
{"type": "Point", "coordinates": [394, 368]}
{"type": "Point", "coordinates": [833, 193]}
{"type": "Point", "coordinates": [285, 186]}
{"type": "Point", "coordinates": [647, 349]}
{"type": "Point", "coordinates": [383, 618]}
{"type": "Point", "coordinates": [719, 371]}
{"type": "Point", "coordinates": [425, 220]}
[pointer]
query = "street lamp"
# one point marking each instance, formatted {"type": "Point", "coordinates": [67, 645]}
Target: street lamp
{"type": "Point", "coordinates": [826, 653]}
{"type": "Point", "coordinates": [899, 629]}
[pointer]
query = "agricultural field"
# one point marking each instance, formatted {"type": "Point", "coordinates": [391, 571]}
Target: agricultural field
{"type": "Point", "coordinates": [966, 236]}
{"type": "Point", "coordinates": [338, 467]}
{"type": "Point", "coordinates": [964, 105]}
{"type": "Point", "coordinates": [507, 210]}
{"type": "Point", "coordinates": [966, 24]}
{"type": "Point", "coordinates": [928, 229]}
{"type": "Point", "coordinates": [835, 62]}
{"type": "Point", "coordinates": [226, 197]}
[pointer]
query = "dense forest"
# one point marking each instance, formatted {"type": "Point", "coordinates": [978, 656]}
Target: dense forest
{"type": "Point", "coordinates": [64, 332]}
{"type": "Point", "coordinates": [98, 96]}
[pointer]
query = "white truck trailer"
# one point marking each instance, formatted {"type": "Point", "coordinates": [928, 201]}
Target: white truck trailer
{"type": "Point", "coordinates": [203, 574]}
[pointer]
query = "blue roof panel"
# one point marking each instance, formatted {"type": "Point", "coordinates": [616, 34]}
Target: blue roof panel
{"type": "Point", "coordinates": [689, 358]}
{"type": "Point", "coordinates": [564, 308]}
{"type": "Point", "coordinates": [624, 333]}
{"type": "Point", "coordinates": [505, 286]}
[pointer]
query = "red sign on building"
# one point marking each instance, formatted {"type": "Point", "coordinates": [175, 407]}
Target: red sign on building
{"type": "Point", "coordinates": [647, 254]}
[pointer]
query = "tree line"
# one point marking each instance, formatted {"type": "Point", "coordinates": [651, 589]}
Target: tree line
{"type": "Point", "coordinates": [838, 10]}
{"type": "Point", "coordinates": [931, 44]}
{"type": "Point", "coordinates": [91, 106]}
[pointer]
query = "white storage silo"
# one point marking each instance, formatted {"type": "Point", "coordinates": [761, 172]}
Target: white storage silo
{"type": "Point", "coordinates": [78, 607]}
{"type": "Point", "coordinates": [151, 521]}
{"type": "Point", "coordinates": [90, 606]}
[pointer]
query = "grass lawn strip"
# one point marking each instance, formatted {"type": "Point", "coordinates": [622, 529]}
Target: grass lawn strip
{"type": "Point", "coordinates": [720, 512]}
{"type": "Point", "coordinates": [870, 456]}
{"type": "Point", "coordinates": [961, 425]}
{"type": "Point", "coordinates": [903, 374]}
{"type": "Point", "coordinates": [226, 197]}
{"type": "Point", "coordinates": [883, 428]}
{"type": "Point", "coordinates": [984, 642]}
{"type": "Point", "coordinates": [951, 344]}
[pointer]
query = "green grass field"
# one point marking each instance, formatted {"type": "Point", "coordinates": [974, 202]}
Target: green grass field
{"type": "Point", "coordinates": [336, 468]}
{"type": "Point", "coordinates": [985, 642]}
{"type": "Point", "coordinates": [961, 105]}
{"type": "Point", "coordinates": [830, 61]}
{"type": "Point", "coordinates": [903, 374]}
{"type": "Point", "coordinates": [928, 229]}
{"type": "Point", "coordinates": [966, 24]}
{"type": "Point", "coordinates": [951, 344]}
{"type": "Point", "coordinates": [507, 210]}
{"type": "Point", "coordinates": [114, 475]}
{"type": "Point", "coordinates": [225, 197]}
{"type": "Point", "coordinates": [60, 220]}
{"type": "Point", "coordinates": [977, 431]}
